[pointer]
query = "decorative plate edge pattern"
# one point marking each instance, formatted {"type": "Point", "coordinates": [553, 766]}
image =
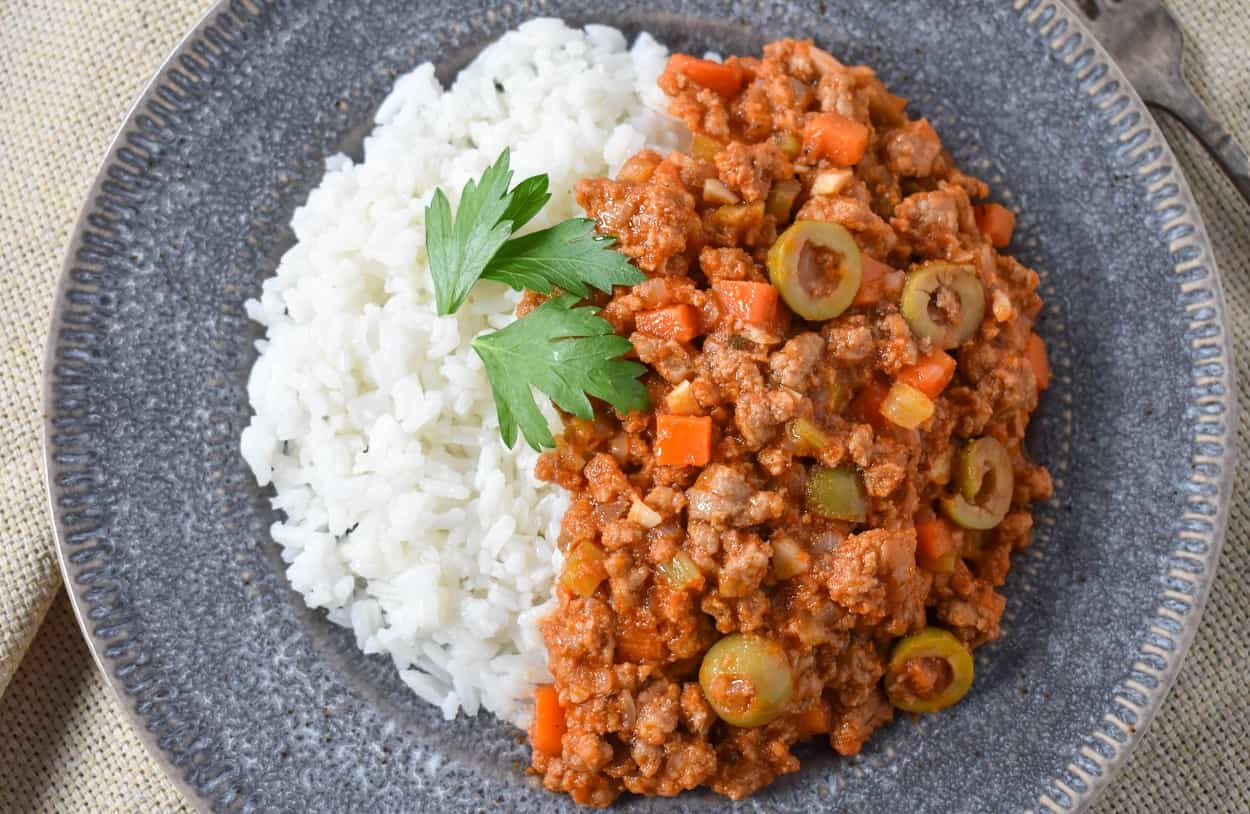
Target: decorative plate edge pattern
{"type": "Point", "coordinates": [1102, 754]}
{"type": "Point", "coordinates": [179, 745]}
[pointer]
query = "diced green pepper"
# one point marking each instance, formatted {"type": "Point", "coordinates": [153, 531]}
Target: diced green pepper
{"type": "Point", "coordinates": [837, 493]}
{"type": "Point", "coordinates": [680, 572]}
{"type": "Point", "coordinates": [781, 199]}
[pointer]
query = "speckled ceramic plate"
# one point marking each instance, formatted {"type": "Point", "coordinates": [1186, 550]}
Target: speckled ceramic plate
{"type": "Point", "coordinates": [257, 704]}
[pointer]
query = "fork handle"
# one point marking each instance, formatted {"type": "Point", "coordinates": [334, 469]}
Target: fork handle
{"type": "Point", "coordinates": [1185, 105]}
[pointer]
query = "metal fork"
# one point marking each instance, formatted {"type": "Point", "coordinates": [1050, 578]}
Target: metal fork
{"type": "Point", "coordinates": [1146, 42]}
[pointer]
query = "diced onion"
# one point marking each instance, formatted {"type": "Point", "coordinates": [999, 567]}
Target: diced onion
{"type": "Point", "coordinates": [681, 400]}
{"type": "Point", "coordinates": [832, 182]}
{"type": "Point", "coordinates": [716, 192]}
{"type": "Point", "coordinates": [789, 558]}
{"type": "Point", "coordinates": [644, 515]}
{"type": "Point", "coordinates": [584, 570]}
{"type": "Point", "coordinates": [906, 406]}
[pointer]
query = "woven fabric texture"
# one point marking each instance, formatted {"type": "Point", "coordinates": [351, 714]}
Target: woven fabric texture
{"type": "Point", "coordinates": [64, 746]}
{"type": "Point", "coordinates": [69, 69]}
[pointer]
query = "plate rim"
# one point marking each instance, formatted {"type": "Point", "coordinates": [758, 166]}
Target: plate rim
{"type": "Point", "coordinates": [1152, 161]}
{"type": "Point", "coordinates": [51, 468]}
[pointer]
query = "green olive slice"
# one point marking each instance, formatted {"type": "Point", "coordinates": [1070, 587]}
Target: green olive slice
{"type": "Point", "coordinates": [746, 679]}
{"type": "Point", "coordinates": [816, 267]}
{"type": "Point", "coordinates": [949, 319]}
{"type": "Point", "coordinates": [917, 660]}
{"type": "Point", "coordinates": [984, 479]}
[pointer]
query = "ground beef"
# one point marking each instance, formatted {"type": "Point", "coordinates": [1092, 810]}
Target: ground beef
{"type": "Point", "coordinates": [792, 366]}
{"type": "Point", "coordinates": [653, 221]}
{"type": "Point", "coordinates": [745, 563]}
{"type": "Point", "coordinates": [910, 151]}
{"type": "Point", "coordinates": [729, 264]}
{"type": "Point", "coordinates": [873, 575]}
{"type": "Point", "coordinates": [876, 237]}
{"type": "Point", "coordinates": [687, 554]}
{"type": "Point", "coordinates": [751, 170]}
{"type": "Point", "coordinates": [934, 221]}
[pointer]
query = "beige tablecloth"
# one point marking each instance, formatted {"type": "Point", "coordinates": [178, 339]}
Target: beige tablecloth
{"type": "Point", "coordinates": [69, 69]}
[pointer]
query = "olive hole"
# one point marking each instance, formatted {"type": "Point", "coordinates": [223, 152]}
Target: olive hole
{"type": "Point", "coordinates": [983, 480]}
{"type": "Point", "coordinates": [819, 270]}
{"type": "Point", "coordinates": [734, 692]}
{"type": "Point", "coordinates": [939, 670]}
{"type": "Point", "coordinates": [944, 306]}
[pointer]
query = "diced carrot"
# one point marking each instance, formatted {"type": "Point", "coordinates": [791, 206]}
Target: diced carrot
{"type": "Point", "coordinates": [813, 721]}
{"type": "Point", "coordinates": [931, 373]}
{"type": "Point", "coordinates": [639, 168]}
{"type": "Point", "coordinates": [679, 322]}
{"type": "Point", "coordinates": [726, 80]}
{"type": "Point", "coordinates": [547, 731]}
{"type": "Point", "coordinates": [637, 644]}
{"type": "Point", "coordinates": [1035, 353]}
{"type": "Point", "coordinates": [683, 440]}
{"type": "Point", "coordinates": [755, 303]}
{"type": "Point", "coordinates": [933, 539]}
{"type": "Point", "coordinates": [871, 281]}
{"type": "Point", "coordinates": [996, 222]}
{"type": "Point", "coordinates": [866, 406]}
{"type": "Point", "coordinates": [836, 137]}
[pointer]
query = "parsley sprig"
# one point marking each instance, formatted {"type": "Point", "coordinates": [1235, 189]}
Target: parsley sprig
{"type": "Point", "coordinates": [565, 351]}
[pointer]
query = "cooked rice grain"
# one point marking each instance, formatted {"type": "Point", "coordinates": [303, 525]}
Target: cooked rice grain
{"type": "Point", "coordinates": [405, 517]}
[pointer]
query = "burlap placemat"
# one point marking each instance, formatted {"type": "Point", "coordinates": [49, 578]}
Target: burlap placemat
{"type": "Point", "coordinates": [68, 71]}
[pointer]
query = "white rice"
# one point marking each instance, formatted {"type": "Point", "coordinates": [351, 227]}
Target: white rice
{"type": "Point", "coordinates": [406, 518]}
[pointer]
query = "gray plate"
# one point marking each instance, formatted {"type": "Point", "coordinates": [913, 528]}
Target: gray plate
{"type": "Point", "coordinates": [257, 704]}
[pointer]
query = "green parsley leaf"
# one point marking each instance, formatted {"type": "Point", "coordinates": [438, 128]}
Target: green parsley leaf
{"type": "Point", "coordinates": [460, 250]}
{"type": "Point", "coordinates": [527, 200]}
{"type": "Point", "coordinates": [566, 353]}
{"type": "Point", "coordinates": [568, 255]}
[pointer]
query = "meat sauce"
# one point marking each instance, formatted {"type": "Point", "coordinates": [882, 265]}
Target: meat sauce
{"type": "Point", "coordinates": [751, 557]}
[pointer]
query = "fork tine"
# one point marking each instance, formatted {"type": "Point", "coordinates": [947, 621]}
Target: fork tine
{"type": "Point", "coordinates": [1087, 8]}
{"type": "Point", "coordinates": [1091, 12]}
